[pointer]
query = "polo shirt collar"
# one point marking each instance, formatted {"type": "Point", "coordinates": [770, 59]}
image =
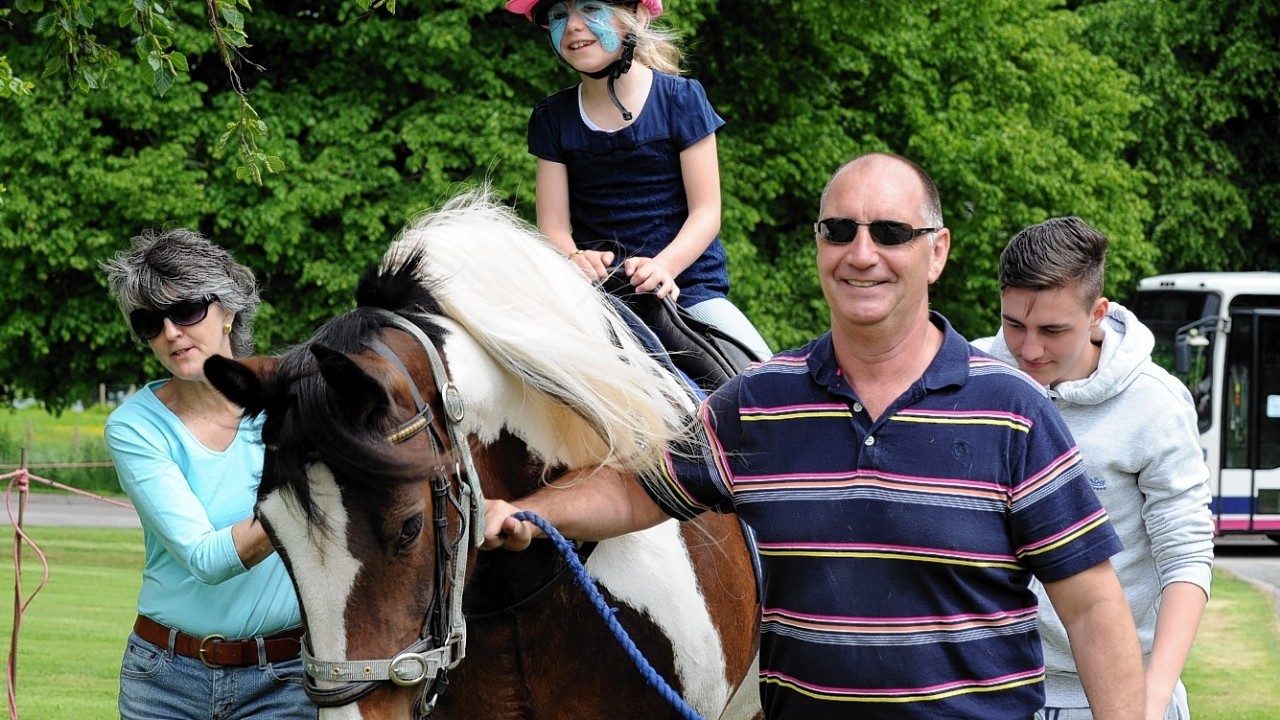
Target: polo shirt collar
{"type": "Point", "coordinates": [949, 367]}
{"type": "Point", "coordinates": [822, 365]}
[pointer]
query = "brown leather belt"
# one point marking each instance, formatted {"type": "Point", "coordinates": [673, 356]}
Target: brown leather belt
{"type": "Point", "coordinates": [217, 651]}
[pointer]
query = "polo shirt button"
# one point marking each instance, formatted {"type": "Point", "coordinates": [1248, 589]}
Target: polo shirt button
{"type": "Point", "coordinates": [869, 441]}
{"type": "Point", "coordinates": [857, 407]}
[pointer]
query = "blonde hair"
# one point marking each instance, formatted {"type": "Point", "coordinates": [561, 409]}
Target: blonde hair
{"type": "Point", "coordinates": [656, 46]}
{"type": "Point", "coordinates": [533, 313]}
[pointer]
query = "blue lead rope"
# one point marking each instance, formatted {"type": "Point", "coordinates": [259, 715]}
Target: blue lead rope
{"type": "Point", "coordinates": [584, 580]}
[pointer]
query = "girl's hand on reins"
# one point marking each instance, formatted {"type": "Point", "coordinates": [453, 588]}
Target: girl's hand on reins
{"type": "Point", "coordinates": [651, 275]}
{"type": "Point", "coordinates": [593, 263]}
{"type": "Point", "coordinates": [503, 531]}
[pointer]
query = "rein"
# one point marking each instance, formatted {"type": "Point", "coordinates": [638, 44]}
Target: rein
{"type": "Point", "coordinates": [588, 585]}
{"type": "Point", "coordinates": [426, 661]}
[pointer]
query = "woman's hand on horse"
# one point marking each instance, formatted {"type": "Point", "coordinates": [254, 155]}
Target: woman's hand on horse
{"type": "Point", "coordinates": [593, 263]}
{"type": "Point", "coordinates": [503, 531]}
{"type": "Point", "coordinates": [651, 275]}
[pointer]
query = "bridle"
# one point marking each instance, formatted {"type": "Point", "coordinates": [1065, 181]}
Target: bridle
{"type": "Point", "coordinates": [442, 642]}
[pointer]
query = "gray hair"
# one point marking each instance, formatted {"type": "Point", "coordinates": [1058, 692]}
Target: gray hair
{"type": "Point", "coordinates": [164, 267]}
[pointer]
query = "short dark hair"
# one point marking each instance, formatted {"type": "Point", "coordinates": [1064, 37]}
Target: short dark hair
{"type": "Point", "coordinates": [1056, 253]}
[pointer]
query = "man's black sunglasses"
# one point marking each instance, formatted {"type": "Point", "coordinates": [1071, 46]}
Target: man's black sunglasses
{"type": "Point", "coordinates": [842, 231]}
{"type": "Point", "coordinates": [147, 323]}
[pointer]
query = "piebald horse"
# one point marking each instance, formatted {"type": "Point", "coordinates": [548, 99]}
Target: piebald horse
{"type": "Point", "coordinates": [477, 363]}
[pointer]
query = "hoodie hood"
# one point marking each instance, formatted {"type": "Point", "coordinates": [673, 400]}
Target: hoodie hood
{"type": "Point", "coordinates": [1126, 346]}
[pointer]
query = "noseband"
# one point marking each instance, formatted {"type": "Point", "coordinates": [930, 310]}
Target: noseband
{"type": "Point", "coordinates": [426, 661]}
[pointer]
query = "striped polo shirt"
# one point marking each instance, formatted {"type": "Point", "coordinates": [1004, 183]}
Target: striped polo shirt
{"type": "Point", "coordinates": [895, 554]}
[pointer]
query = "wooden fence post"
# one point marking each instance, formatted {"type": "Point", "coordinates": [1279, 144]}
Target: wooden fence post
{"type": "Point", "coordinates": [12, 669]}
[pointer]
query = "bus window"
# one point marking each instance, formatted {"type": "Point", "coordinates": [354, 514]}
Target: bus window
{"type": "Point", "coordinates": [1237, 412]}
{"type": "Point", "coordinates": [1251, 402]}
{"type": "Point", "coordinates": [1169, 313]}
{"type": "Point", "coordinates": [1268, 396]}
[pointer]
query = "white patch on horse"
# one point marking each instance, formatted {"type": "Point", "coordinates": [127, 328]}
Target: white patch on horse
{"type": "Point", "coordinates": [651, 571]}
{"type": "Point", "coordinates": [324, 572]}
{"type": "Point", "coordinates": [495, 399]}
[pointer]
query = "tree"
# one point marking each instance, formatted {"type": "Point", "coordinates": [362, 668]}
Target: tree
{"type": "Point", "coordinates": [1015, 120]}
{"type": "Point", "coordinates": [1209, 74]}
{"type": "Point", "coordinates": [376, 119]}
{"type": "Point", "coordinates": [370, 138]}
{"type": "Point", "coordinates": [71, 30]}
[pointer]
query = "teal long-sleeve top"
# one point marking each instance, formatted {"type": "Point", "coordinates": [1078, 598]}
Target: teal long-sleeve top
{"type": "Point", "coordinates": [188, 497]}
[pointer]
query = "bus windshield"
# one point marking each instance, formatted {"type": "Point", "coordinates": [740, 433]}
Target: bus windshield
{"type": "Point", "coordinates": [1170, 314]}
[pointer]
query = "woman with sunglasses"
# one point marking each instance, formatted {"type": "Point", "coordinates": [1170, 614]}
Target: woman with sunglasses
{"type": "Point", "coordinates": [218, 628]}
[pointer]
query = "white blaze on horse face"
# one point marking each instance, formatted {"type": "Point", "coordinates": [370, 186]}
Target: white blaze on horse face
{"type": "Point", "coordinates": [324, 572]}
{"type": "Point", "coordinates": [651, 571]}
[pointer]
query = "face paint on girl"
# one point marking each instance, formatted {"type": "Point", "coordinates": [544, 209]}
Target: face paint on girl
{"type": "Point", "coordinates": [597, 15]}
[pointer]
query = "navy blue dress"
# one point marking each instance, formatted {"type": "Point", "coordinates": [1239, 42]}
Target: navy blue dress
{"type": "Point", "coordinates": [626, 192]}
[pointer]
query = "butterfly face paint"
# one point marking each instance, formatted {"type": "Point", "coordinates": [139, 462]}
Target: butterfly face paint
{"type": "Point", "coordinates": [597, 15]}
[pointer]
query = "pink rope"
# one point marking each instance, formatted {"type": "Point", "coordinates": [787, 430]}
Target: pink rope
{"type": "Point", "coordinates": [21, 480]}
{"type": "Point", "coordinates": [62, 465]}
{"type": "Point", "coordinates": [54, 484]}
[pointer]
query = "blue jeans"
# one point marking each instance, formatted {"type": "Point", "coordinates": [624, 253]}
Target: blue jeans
{"type": "Point", "coordinates": [726, 317]}
{"type": "Point", "coordinates": [156, 684]}
{"type": "Point", "coordinates": [1177, 710]}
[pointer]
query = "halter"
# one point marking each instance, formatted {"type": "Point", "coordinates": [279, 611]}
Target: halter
{"type": "Point", "coordinates": [424, 662]}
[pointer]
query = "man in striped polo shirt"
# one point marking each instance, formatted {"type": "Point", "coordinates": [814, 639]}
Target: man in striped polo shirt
{"type": "Point", "coordinates": [901, 489]}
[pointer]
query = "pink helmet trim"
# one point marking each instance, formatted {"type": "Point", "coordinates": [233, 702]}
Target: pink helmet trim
{"type": "Point", "coordinates": [526, 7]}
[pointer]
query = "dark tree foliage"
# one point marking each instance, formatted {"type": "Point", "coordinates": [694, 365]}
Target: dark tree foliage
{"type": "Point", "coordinates": [1209, 76]}
{"type": "Point", "coordinates": [353, 120]}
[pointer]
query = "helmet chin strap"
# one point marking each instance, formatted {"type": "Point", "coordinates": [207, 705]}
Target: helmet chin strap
{"type": "Point", "coordinates": [615, 70]}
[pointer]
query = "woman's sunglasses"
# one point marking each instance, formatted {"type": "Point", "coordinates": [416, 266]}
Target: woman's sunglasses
{"type": "Point", "coordinates": [842, 231]}
{"type": "Point", "coordinates": [147, 323]}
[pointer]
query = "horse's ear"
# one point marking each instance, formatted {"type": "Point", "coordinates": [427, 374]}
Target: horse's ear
{"type": "Point", "coordinates": [358, 394]}
{"type": "Point", "coordinates": [247, 383]}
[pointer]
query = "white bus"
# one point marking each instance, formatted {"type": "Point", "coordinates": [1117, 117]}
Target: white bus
{"type": "Point", "coordinates": [1220, 334]}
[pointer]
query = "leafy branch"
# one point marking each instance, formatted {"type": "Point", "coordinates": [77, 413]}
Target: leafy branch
{"type": "Point", "coordinates": [74, 49]}
{"type": "Point", "coordinates": [228, 29]}
{"type": "Point", "coordinates": [10, 85]}
{"type": "Point", "coordinates": [151, 46]}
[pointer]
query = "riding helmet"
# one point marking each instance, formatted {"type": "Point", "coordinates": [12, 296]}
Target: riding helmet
{"type": "Point", "coordinates": [536, 10]}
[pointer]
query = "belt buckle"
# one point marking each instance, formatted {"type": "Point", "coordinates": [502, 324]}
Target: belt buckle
{"type": "Point", "coordinates": [204, 642]}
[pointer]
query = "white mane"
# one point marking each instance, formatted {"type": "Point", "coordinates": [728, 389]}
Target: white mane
{"type": "Point", "coordinates": [531, 310]}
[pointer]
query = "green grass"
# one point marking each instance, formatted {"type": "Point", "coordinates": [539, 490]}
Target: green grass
{"type": "Point", "coordinates": [63, 438]}
{"type": "Point", "coordinates": [72, 437]}
{"type": "Point", "coordinates": [1232, 671]}
{"type": "Point", "coordinates": [74, 632]}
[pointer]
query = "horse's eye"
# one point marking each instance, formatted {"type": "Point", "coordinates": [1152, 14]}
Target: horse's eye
{"type": "Point", "coordinates": [409, 533]}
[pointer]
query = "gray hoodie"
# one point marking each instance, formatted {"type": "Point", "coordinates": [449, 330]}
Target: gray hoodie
{"type": "Point", "coordinates": [1136, 428]}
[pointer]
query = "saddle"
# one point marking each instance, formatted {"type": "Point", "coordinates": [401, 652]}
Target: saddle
{"type": "Point", "coordinates": [707, 355]}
